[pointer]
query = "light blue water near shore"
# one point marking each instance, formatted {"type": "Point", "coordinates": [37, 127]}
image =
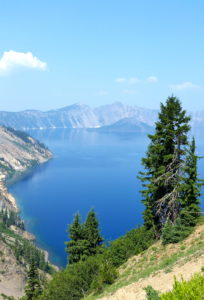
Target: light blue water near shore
{"type": "Point", "coordinates": [90, 169]}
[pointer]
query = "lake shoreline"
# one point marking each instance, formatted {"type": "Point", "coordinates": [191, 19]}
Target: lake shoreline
{"type": "Point", "coordinates": [12, 204]}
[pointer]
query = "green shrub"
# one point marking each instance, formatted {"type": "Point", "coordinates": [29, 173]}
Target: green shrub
{"type": "Point", "coordinates": [133, 243]}
{"type": "Point", "coordinates": [151, 293]}
{"type": "Point", "coordinates": [186, 290]}
{"type": "Point", "coordinates": [106, 275]}
{"type": "Point", "coordinates": [174, 233]}
{"type": "Point", "coordinates": [73, 282]}
{"type": "Point", "coordinates": [7, 297]}
{"type": "Point", "coordinates": [80, 278]}
{"type": "Point", "coordinates": [93, 274]}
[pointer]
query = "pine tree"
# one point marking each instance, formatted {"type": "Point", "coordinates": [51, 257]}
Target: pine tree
{"type": "Point", "coordinates": [76, 229]}
{"type": "Point", "coordinates": [92, 233]}
{"type": "Point", "coordinates": [33, 287]}
{"type": "Point", "coordinates": [77, 244]}
{"type": "Point", "coordinates": [163, 166]}
{"type": "Point", "coordinates": [85, 238]}
{"type": "Point", "coordinates": [191, 188]}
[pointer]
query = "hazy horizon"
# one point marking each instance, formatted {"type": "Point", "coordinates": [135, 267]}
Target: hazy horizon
{"type": "Point", "coordinates": [81, 103]}
{"type": "Point", "coordinates": [94, 106]}
{"type": "Point", "coordinates": [54, 54]}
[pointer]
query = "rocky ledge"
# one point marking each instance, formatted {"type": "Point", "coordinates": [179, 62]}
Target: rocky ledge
{"type": "Point", "coordinates": [19, 152]}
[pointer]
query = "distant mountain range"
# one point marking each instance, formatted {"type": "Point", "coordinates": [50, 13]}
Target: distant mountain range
{"type": "Point", "coordinates": [114, 117]}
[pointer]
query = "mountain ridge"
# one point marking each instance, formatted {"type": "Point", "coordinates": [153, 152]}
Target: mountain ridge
{"type": "Point", "coordinates": [77, 115]}
{"type": "Point", "coordinates": [80, 115]}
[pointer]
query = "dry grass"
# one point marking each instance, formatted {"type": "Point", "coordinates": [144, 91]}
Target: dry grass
{"type": "Point", "coordinates": [157, 267]}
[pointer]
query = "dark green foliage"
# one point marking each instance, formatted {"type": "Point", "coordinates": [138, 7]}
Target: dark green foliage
{"type": "Point", "coordinates": [76, 246]}
{"type": "Point", "coordinates": [151, 293]}
{"type": "Point", "coordinates": [190, 192]}
{"type": "Point", "coordinates": [76, 229]}
{"type": "Point", "coordinates": [25, 251]}
{"type": "Point", "coordinates": [76, 280]}
{"type": "Point", "coordinates": [191, 188]}
{"type": "Point", "coordinates": [186, 290]}
{"type": "Point", "coordinates": [92, 274]}
{"type": "Point", "coordinates": [85, 238]}
{"type": "Point", "coordinates": [33, 287]}
{"type": "Point", "coordinates": [174, 233]}
{"type": "Point", "coordinates": [106, 276]}
{"type": "Point", "coordinates": [7, 297]}
{"type": "Point", "coordinates": [9, 218]}
{"type": "Point", "coordinates": [91, 233]}
{"type": "Point", "coordinates": [134, 242]}
{"type": "Point", "coordinates": [163, 162]}
{"type": "Point", "coordinates": [171, 187]}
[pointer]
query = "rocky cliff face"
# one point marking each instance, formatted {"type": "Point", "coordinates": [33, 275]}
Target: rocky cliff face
{"type": "Point", "coordinates": [18, 153]}
{"type": "Point", "coordinates": [13, 275]}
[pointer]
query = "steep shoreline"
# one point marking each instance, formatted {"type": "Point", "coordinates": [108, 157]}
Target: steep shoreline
{"type": "Point", "coordinates": [7, 199]}
{"type": "Point", "coordinates": [19, 154]}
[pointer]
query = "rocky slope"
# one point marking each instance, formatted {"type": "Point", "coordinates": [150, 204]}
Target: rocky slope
{"type": "Point", "coordinates": [157, 267]}
{"type": "Point", "coordinates": [18, 153]}
{"type": "Point", "coordinates": [13, 275]}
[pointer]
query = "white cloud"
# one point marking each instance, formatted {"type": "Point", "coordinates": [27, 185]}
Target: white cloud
{"type": "Point", "coordinates": [129, 92]}
{"type": "Point", "coordinates": [152, 79]}
{"type": "Point", "coordinates": [135, 80]}
{"type": "Point", "coordinates": [12, 60]}
{"type": "Point", "coordinates": [103, 93]}
{"type": "Point", "coordinates": [120, 80]}
{"type": "Point", "coordinates": [183, 86]}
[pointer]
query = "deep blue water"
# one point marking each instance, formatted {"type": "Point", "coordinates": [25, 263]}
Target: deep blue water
{"type": "Point", "coordinates": [90, 169]}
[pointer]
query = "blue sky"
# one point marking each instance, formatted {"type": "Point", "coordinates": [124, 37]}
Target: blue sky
{"type": "Point", "coordinates": [98, 52]}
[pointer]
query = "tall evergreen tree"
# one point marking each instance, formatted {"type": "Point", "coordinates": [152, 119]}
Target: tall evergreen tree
{"type": "Point", "coordinates": [76, 229]}
{"type": "Point", "coordinates": [92, 233]}
{"type": "Point", "coordinates": [191, 187]}
{"type": "Point", "coordinates": [163, 165]}
{"type": "Point", "coordinates": [77, 244]}
{"type": "Point", "coordinates": [85, 238]}
{"type": "Point", "coordinates": [33, 288]}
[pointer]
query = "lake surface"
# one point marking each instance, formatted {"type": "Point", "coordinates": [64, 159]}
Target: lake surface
{"type": "Point", "coordinates": [90, 169]}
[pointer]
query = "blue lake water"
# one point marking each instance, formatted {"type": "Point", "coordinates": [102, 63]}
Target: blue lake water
{"type": "Point", "coordinates": [90, 169]}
